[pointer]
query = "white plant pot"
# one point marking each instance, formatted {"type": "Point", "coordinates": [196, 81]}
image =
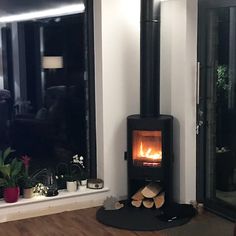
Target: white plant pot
{"type": "Point", "coordinates": [71, 186]}
{"type": "Point", "coordinates": [83, 182]}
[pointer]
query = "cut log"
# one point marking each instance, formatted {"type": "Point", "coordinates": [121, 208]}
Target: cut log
{"type": "Point", "coordinates": [136, 203]}
{"type": "Point", "coordinates": [148, 203]}
{"type": "Point", "coordinates": [151, 190]}
{"type": "Point", "coordinates": [138, 195]}
{"type": "Point", "coordinates": [159, 200]}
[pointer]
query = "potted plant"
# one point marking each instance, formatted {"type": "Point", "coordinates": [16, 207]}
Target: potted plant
{"type": "Point", "coordinates": [72, 173]}
{"type": "Point", "coordinates": [72, 177]}
{"type": "Point", "coordinates": [71, 185]}
{"type": "Point", "coordinates": [82, 173]}
{"type": "Point", "coordinates": [83, 178]}
{"type": "Point", "coordinates": [10, 170]}
{"type": "Point", "coordinates": [68, 174]}
{"type": "Point", "coordinates": [28, 182]}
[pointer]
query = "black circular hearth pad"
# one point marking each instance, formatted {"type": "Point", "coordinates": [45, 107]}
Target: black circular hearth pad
{"type": "Point", "coordinates": [143, 219]}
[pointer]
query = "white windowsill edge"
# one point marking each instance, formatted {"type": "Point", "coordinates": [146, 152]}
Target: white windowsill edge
{"type": "Point", "coordinates": [40, 205]}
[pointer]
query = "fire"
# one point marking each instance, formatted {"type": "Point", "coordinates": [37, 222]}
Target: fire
{"type": "Point", "coordinates": [149, 153]}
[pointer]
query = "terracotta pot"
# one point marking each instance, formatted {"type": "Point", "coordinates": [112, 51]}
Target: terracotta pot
{"type": "Point", "coordinates": [28, 192]}
{"type": "Point", "coordinates": [11, 194]}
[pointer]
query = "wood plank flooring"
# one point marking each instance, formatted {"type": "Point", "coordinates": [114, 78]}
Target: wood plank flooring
{"type": "Point", "coordinates": [84, 223]}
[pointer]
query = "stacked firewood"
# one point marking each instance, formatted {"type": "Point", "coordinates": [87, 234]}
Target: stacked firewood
{"type": "Point", "coordinates": [149, 196]}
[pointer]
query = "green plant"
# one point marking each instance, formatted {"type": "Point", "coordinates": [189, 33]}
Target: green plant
{"type": "Point", "coordinates": [10, 169]}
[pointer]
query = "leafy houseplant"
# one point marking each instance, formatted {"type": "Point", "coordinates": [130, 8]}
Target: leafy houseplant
{"type": "Point", "coordinates": [10, 169]}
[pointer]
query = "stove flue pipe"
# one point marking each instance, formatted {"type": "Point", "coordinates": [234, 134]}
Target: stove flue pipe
{"type": "Point", "coordinates": [150, 58]}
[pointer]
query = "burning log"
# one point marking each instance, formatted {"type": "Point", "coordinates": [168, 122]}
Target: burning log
{"type": "Point", "coordinates": [159, 200]}
{"type": "Point", "coordinates": [151, 190]}
{"type": "Point", "coordinates": [136, 203]}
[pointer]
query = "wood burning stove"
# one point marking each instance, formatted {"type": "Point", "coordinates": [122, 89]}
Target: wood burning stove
{"type": "Point", "coordinates": [150, 152]}
{"type": "Point", "coordinates": [149, 137]}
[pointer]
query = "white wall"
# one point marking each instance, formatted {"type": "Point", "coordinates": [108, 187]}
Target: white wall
{"type": "Point", "coordinates": [178, 79]}
{"type": "Point", "coordinates": [117, 86]}
{"type": "Point", "coordinates": [190, 109]}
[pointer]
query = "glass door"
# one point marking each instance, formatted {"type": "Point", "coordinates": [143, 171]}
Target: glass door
{"type": "Point", "coordinates": [216, 126]}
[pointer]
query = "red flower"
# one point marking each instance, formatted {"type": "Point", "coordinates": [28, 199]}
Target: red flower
{"type": "Point", "coordinates": [26, 159]}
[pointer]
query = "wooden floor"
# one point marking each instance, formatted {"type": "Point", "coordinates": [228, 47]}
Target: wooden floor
{"type": "Point", "coordinates": [84, 223]}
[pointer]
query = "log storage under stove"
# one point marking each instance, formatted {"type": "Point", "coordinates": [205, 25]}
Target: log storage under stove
{"type": "Point", "coordinates": [149, 196]}
{"type": "Point", "coordinates": [149, 134]}
{"type": "Point", "coordinates": [150, 153]}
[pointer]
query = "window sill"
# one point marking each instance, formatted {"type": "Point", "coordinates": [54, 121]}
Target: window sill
{"type": "Point", "coordinates": [62, 195]}
{"type": "Point", "coordinates": [41, 205]}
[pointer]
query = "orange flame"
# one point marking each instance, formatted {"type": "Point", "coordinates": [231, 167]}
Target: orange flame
{"type": "Point", "coordinates": [149, 153]}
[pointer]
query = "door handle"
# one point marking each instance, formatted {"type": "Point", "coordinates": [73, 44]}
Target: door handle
{"type": "Point", "coordinates": [198, 83]}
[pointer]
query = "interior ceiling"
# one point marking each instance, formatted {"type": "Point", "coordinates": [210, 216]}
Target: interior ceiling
{"type": "Point", "coordinates": [10, 7]}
